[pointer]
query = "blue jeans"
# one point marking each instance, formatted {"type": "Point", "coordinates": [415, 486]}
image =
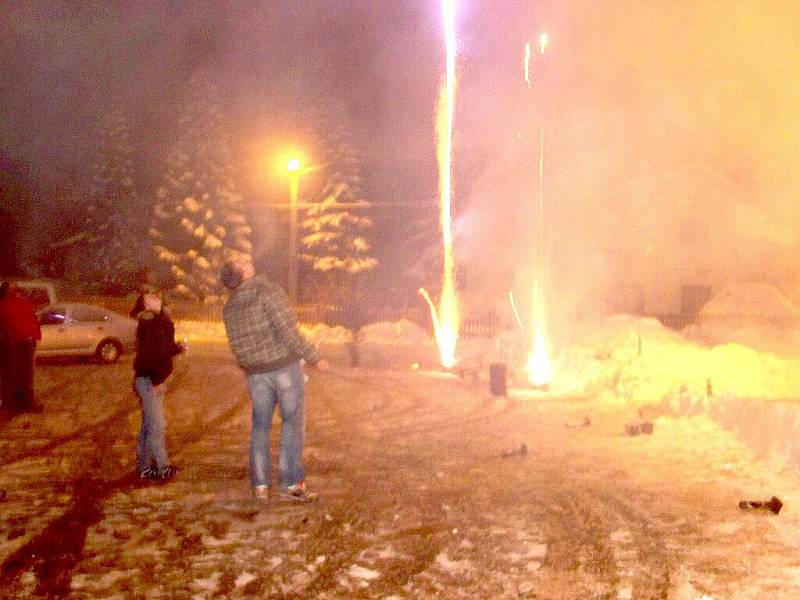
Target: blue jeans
{"type": "Point", "coordinates": [283, 387]}
{"type": "Point", "coordinates": [151, 444]}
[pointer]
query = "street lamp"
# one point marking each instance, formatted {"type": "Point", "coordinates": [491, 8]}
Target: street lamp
{"type": "Point", "coordinates": [293, 166]}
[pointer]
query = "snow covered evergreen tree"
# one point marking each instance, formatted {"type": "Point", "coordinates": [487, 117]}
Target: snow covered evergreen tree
{"type": "Point", "coordinates": [334, 231]}
{"type": "Point", "coordinates": [198, 222]}
{"type": "Point", "coordinates": [114, 225]}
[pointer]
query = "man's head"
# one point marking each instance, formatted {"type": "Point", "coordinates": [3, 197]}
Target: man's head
{"type": "Point", "coordinates": [235, 272]}
{"type": "Point", "coordinates": [152, 302]}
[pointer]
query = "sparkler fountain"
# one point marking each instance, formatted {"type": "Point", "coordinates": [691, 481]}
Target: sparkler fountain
{"type": "Point", "coordinates": [446, 320]}
{"type": "Point", "coordinates": [539, 366]}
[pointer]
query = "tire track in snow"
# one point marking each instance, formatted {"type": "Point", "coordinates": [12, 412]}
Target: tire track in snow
{"type": "Point", "coordinates": [605, 542]}
{"type": "Point", "coordinates": [396, 422]}
{"type": "Point", "coordinates": [644, 562]}
{"type": "Point", "coordinates": [58, 548]}
{"type": "Point", "coordinates": [329, 539]}
{"type": "Point", "coordinates": [53, 553]}
{"type": "Point", "coordinates": [196, 434]}
{"type": "Point", "coordinates": [84, 431]}
{"type": "Point", "coordinates": [402, 414]}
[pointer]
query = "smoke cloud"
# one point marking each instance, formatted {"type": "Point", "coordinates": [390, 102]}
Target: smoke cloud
{"type": "Point", "coordinates": [671, 135]}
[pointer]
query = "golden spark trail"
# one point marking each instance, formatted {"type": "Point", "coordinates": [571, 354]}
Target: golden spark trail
{"type": "Point", "coordinates": [528, 64]}
{"type": "Point", "coordinates": [539, 367]}
{"type": "Point", "coordinates": [514, 309]}
{"type": "Point", "coordinates": [446, 320]}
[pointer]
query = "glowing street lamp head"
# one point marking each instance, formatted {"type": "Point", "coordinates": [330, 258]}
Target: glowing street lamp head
{"type": "Point", "coordinates": [293, 165]}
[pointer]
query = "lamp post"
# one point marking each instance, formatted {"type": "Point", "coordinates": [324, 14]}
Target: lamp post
{"type": "Point", "coordinates": [293, 166]}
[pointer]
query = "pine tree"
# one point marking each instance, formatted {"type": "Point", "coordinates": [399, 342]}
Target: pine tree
{"type": "Point", "coordinates": [198, 223]}
{"type": "Point", "coordinates": [334, 231]}
{"type": "Point", "coordinates": [114, 250]}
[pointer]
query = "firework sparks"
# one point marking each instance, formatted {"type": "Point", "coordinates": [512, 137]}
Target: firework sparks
{"type": "Point", "coordinates": [543, 39]}
{"type": "Point", "coordinates": [539, 366]}
{"type": "Point", "coordinates": [514, 309]}
{"type": "Point", "coordinates": [446, 319]}
{"type": "Point", "coordinates": [528, 64]}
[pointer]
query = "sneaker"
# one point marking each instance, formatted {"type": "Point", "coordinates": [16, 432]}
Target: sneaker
{"type": "Point", "coordinates": [165, 473]}
{"type": "Point", "coordinates": [261, 492]}
{"type": "Point", "coordinates": [147, 473]}
{"type": "Point", "coordinates": [297, 493]}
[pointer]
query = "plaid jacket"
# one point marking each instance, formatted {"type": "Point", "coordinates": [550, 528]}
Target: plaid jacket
{"type": "Point", "coordinates": [262, 331]}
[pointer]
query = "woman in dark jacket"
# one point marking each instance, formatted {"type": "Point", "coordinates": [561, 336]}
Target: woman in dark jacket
{"type": "Point", "coordinates": [155, 347]}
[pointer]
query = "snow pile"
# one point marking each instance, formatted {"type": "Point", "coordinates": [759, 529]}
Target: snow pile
{"type": "Point", "coordinates": [753, 314]}
{"type": "Point", "coordinates": [200, 330]}
{"type": "Point", "coordinates": [323, 335]}
{"type": "Point", "coordinates": [402, 332]}
{"type": "Point", "coordinates": [214, 331]}
{"type": "Point", "coordinates": [637, 361]}
{"type": "Point", "coordinates": [750, 301]}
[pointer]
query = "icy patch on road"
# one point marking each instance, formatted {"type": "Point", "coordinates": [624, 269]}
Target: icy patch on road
{"type": "Point", "coordinates": [359, 572]}
{"type": "Point", "coordinates": [83, 581]}
{"type": "Point", "coordinates": [244, 578]}
{"type": "Point", "coordinates": [208, 585]}
{"type": "Point", "coordinates": [528, 551]}
{"type": "Point", "coordinates": [370, 555]}
{"type": "Point", "coordinates": [453, 567]}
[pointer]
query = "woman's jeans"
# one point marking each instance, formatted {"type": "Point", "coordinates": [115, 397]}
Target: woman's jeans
{"type": "Point", "coordinates": [151, 445]}
{"type": "Point", "coordinates": [283, 387]}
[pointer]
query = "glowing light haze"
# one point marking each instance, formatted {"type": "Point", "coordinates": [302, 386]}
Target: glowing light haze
{"type": "Point", "coordinates": [446, 319]}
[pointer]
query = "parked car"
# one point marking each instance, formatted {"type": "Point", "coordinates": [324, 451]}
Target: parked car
{"type": "Point", "coordinates": [76, 329]}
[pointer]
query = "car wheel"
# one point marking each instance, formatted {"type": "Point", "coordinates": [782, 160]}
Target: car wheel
{"type": "Point", "coordinates": [108, 351]}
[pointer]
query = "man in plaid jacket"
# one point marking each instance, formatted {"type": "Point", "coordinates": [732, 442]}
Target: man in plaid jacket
{"type": "Point", "coordinates": [262, 333]}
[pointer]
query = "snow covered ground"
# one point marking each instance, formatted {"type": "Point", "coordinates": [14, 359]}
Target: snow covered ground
{"type": "Point", "coordinates": [422, 494]}
{"type": "Point", "coordinates": [624, 361]}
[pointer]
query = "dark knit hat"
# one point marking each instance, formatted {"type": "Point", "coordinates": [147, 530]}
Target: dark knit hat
{"type": "Point", "coordinates": [230, 276]}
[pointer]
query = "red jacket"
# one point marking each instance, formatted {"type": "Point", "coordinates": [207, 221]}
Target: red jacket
{"type": "Point", "coordinates": [17, 319]}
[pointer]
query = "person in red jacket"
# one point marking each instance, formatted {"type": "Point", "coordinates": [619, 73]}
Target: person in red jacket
{"type": "Point", "coordinates": [19, 332]}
